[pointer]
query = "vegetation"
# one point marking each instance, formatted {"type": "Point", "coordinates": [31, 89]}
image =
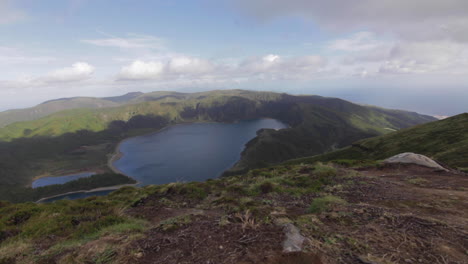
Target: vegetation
{"type": "Point", "coordinates": [346, 215]}
{"type": "Point", "coordinates": [79, 139]}
{"type": "Point", "coordinates": [24, 158]}
{"type": "Point", "coordinates": [445, 141]}
{"type": "Point", "coordinates": [77, 222]}
{"type": "Point", "coordinates": [325, 203]}
{"type": "Point", "coordinates": [19, 194]}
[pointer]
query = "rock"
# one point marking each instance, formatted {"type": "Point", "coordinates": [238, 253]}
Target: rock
{"type": "Point", "coordinates": [414, 158]}
{"type": "Point", "coordinates": [294, 239]}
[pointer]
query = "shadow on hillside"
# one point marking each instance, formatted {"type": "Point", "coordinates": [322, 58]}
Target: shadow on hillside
{"type": "Point", "coordinates": [23, 158]}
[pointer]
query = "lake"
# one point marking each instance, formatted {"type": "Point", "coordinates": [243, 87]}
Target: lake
{"type": "Point", "coordinates": [188, 152]}
{"type": "Point", "coordinates": [185, 152]}
{"type": "Point", "coordinates": [60, 179]}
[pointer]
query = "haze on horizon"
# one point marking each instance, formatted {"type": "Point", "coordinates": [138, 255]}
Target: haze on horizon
{"type": "Point", "coordinates": [402, 54]}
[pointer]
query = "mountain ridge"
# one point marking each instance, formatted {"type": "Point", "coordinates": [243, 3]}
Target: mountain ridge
{"type": "Point", "coordinates": [60, 104]}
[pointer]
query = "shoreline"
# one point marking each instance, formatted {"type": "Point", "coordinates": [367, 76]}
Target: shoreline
{"type": "Point", "coordinates": [117, 154]}
{"type": "Point", "coordinates": [108, 188]}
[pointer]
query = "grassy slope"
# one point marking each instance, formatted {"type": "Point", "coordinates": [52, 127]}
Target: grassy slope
{"type": "Point", "coordinates": [50, 107]}
{"type": "Point", "coordinates": [340, 211]}
{"type": "Point", "coordinates": [325, 124]}
{"type": "Point", "coordinates": [445, 140]}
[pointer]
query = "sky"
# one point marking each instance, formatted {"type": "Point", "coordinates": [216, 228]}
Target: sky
{"type": "Point", "coordinates": [404, 54]}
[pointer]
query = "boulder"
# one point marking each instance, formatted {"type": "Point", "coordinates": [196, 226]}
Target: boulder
{"type": "Point", "coordinates": [294, 239]}
{"type": "Point", "coordinates": [414, 158]}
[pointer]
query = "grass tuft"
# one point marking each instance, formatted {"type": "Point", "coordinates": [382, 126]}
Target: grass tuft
{"type": "Point", "coordinates": [324, 204]}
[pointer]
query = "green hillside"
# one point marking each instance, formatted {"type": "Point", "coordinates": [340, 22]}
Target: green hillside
{"type": "Point", "coordinates": [83, 139]}
{"type": "Point", "coordinates": [50, 107]}
{"type": "Point", "coordinates": [194, 107]}
{"type": "Point", "coordinates": [445, 141]}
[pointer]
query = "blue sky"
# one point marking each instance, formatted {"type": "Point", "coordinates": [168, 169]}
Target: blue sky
{"type": "Point", "coordinates": [397, 54]}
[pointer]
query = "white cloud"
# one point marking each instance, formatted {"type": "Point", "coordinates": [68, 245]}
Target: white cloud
{"type": "Point", "coordinates": [79, 71]}
{"type": "Point", "coordinates": [151, 62]}
{"type": "Point", "coordinates": [427, 57]}
{"type": "Point", "coordinates": [141, 70]}
{"type": "Point", "coordinates": [132, 42]}
{"type": "Point", "coordinates": [412, 20]}
{"type": "Point", "coordinates": [172, 67]}
{"type": "Point", "coordinates": [9, 14]}
{"type": "Point", "coordinates": [276, 67]}
{"type": "Point", "coordinates": [263, 64]}
{"type": "Point", "coordinates": [189, 65]}
{"type": "Point", "coordinates": [190, 68]}
{"type": "Point", "coordinates": [365, 50]}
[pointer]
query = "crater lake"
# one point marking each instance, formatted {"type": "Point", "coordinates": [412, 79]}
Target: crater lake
{"type": "Point", "coordinates": [188, 152]}
{"type": "Point", "coordinates": [180, 153]}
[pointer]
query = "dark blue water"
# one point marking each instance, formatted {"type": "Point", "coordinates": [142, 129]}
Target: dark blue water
{"type": "Point", "coordinates": [188, 152]}
{"type": "Point", "coordinates": [183, 153]}
{"type": "Point", "coordinates": [60, 179]}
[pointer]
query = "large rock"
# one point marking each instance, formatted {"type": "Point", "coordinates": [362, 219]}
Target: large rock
{"type": "Point", "coordinates": [414, 158]}
{"type": "Point", "coordinates": [294, 240]}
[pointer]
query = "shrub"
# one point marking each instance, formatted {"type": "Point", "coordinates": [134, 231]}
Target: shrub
{"type": "Point", "coordinates": [324, 171]}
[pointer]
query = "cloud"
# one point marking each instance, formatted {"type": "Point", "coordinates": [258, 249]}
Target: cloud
{"type": "Point", "coordinates": [358, 42]}
{"type": "Point", "coordinates": [132, 42]}
{"type": "Point", "coordinates": [79, 71]}
{"type": "Point", "coordinates": [172, 67]}
{"type": "Point", "coordinates": [141, 70]}
{"type": "Point", "coordinates": [389, 57]}
{"type": "Point", "coordinates": [9, 14]}
{"type": "Point", "coordinates": [66, 77]}
{"type": "Point", "coordinates": [190, 65]}
{"type": "Point", "coordinates": [427, 57]}
{"type": "Point", "coordinates": [191, 68]}
{"type": "Point", "coordinates": [412, 20]}
{"type": "Point", "coordinates": [276, 67]}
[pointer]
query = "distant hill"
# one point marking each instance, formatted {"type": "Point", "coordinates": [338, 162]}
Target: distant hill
{"type": "Point", "coordinates": [220, 106]}
{"type": "Point", "coordinates": [56, 105]}
{"type": "Point", "coordinates": [123, 98]}
{"type": "Point", "coordinates": [322, 125]}
{"type": "Point", "coordinates": [445, 141]}
{"type": "Point", "coordinates": [50, 107]}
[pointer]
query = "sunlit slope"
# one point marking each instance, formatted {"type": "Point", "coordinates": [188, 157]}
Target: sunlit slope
{"type": "Point", "coordinates": [221, 106]}
{"type": "Point", "coordinates": [445, 140]}
{"type": "Point", "coordinates": [50, 107]}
